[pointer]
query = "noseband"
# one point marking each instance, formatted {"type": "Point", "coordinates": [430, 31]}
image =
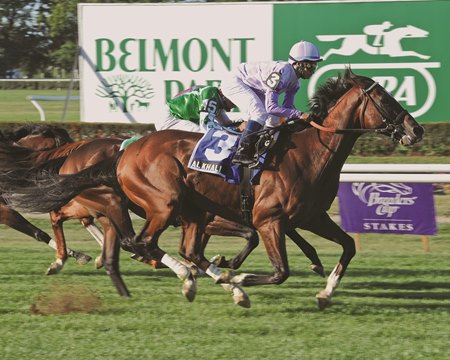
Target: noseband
{"type": "Point", "coordinates": [393, 127]}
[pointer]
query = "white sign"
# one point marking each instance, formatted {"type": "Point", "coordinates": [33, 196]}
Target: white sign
{"type": "Point", "coordinates": [134, 57]}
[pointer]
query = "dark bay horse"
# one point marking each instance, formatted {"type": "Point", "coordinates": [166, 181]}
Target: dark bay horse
{"type": "Point", "coordinates": [37, 137]}
{"type": "Point", "coordinates": [299, 182]}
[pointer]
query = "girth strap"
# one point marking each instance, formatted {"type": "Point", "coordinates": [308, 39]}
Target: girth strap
{"type": "Point", "coordinates": [246, 195]}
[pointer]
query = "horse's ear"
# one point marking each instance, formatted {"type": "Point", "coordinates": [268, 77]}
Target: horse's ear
{"type": "Point", "coordinates": [349, 73]}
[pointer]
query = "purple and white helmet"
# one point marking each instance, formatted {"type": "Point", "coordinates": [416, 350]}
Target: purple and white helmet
{"type": "Point", "coordinates": [304, 51]}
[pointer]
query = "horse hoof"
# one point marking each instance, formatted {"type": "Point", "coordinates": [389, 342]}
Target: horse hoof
{"type": "Point", "coordinates": [83, 260]}
{"type": "Point", "coordinates": [242, 300]}
{"type": "Point", "coordinates": [55, 267]}
{"type": "Point", "coordinates": [189, 289]}
{"type": "Point", "coordinates": [318, 270]}
{"type": "Point", "coordinates": [98, 262]}
{"type": "Point", "coordinates": [137, 258]}
{"type": "Point", "coordinates": [323, 300]}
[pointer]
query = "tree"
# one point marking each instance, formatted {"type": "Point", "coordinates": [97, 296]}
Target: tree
{"type": "Point", "coordinates": [19, 35]}
{"type": "Point", "coordinates": [125, 89]}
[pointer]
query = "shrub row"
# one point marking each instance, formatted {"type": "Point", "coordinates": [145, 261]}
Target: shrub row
{"type": "Point", "coordinates": [37, 84]}
{"type": "Point", "coordinates": [434, 143]}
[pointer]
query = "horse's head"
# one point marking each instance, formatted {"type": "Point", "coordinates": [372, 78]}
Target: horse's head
{"type": "Point", "coordinates": [414, 32]}
{"type": "Point", "coordinates": [41, 137]}
{"type": "Point", "coordinates": [380, 110]}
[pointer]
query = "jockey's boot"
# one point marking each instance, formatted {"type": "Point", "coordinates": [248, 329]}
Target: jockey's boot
{"type": "Point", "coordinates": [245, 152]}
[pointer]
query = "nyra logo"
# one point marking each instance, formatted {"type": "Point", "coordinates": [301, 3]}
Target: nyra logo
{"type": "Point", "coordinates": [126, 93]}
{"type": "Point", "coordinates": [385, 41]}
{"type": "Point", "coordinates": [386, 199]}
{"type": "Point", "coordinates": [404, 76]}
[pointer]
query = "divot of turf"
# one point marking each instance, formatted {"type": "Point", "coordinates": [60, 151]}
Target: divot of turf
{"type": "Point", "coordinates": [64, 299]}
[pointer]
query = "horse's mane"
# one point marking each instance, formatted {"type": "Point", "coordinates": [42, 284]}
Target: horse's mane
{"type": "Point", "coordinates": [60, 134]}
{"type": "Point", "coordinates": [328, 93]}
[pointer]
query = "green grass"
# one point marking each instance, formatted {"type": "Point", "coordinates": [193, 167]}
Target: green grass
{"type": "Point", "coordinates": [14, 106]}
{"type": "Point", "coordinates": [393, 303]}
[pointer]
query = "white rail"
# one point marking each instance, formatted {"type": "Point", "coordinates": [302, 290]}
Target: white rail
{"type": "Point", "coordinates": [414, 173]}
{"type": "Point", "coordinates": [35, 98]}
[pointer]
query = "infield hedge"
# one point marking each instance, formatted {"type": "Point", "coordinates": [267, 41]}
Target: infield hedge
{"type": "Point", "coordinates": [434, 143]}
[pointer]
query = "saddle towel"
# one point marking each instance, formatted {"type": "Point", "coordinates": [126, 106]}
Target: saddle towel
{"type": "Point", "coordinates": [214, 152]}
{"type": "Point", "coordinates": [129, 141]}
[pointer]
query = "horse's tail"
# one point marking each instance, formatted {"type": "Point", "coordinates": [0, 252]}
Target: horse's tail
{"type": "Point", "coordinates": [47, 191]}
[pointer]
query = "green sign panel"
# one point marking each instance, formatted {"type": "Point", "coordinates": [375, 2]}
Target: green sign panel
{"type": "Point", "coordinates": [402, 45]}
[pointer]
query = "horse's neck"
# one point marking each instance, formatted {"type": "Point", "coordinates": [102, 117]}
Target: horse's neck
{"type": "Point", "coordinates": [331, 150]}
{"type": "Point", "coordinates": [59, 152]}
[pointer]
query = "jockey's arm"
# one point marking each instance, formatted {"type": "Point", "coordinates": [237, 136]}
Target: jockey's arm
{"type": "Point", "coordinates": [223, 119]}
{"type": "Point", "coordinates": [273, 108]}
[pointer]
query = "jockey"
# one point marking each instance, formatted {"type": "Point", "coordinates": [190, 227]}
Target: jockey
{"type": "Point", "coordinates": [193, 108]}
{"type": "Point", "coordinates": [256, 87]}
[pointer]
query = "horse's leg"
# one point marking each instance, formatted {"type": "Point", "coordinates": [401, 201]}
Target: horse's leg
{"type": "Point", "coordinates": [193, 251]}
{"type": "Point", "coordinates": [93, 229]}
{"type": "Point", "coordinates": [57, 219]}
{"type": "Point", "coordinates": [308, 250]}
{"type": "Point", "coordinates": [222, 227]}
{"type": "Point", "coordinates": [16, 221]}
{"type": "Point", "coordinates": [110, 256]}
{"type": "Point", "coordinates": [145, 244]}
{"type": "Point", "coordinates": [97, 234]}
{"type": "Point", "coordinates": [328, 229]}
{"type": "Point", "coordinates": [272, 233]}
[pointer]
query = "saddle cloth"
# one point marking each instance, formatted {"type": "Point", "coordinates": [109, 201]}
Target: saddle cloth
{"type": "Point", "coordinates": [214, 152]}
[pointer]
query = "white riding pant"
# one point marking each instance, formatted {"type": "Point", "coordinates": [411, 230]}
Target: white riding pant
{"type": "Point", "coordinates": [250, 103]}
{"type": "Point", "coordinates": [173, 123]}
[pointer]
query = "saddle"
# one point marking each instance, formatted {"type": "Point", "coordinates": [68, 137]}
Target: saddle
{"type": "Point", "coordinates": [214, 152]}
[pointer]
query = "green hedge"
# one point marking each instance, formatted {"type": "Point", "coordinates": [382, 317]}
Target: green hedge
{"type": "Point", "coordinates": [37, 85]}
{"type": "Point", "coordinates": [434, 143]}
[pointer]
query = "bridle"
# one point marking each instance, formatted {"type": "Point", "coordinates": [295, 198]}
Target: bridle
{"type": "Point", "coordinates": [393, 126]}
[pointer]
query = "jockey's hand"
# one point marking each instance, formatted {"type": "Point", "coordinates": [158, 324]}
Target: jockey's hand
{"type": "Point", "coordinates": [238, 125]}
{"type": "Point", "coordinates": [307, 117]}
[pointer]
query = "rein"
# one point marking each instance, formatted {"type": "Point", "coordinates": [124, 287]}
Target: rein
{"type": "Point", "coordinates": [390, 129]}
{"type": "Point", "coordinates": [390, 125]}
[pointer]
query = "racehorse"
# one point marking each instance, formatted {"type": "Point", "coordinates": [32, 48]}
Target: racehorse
{"type": "Point", "coordinates": [37, 137]}
{"type": "Point", "coordinates": [105, 205]}
{"type": "Point", "coordinates": [299, 182]}
{"type": "Point", "coordinates": [98, 201]}
{"type": "Point", "coordinates": [296, 188]}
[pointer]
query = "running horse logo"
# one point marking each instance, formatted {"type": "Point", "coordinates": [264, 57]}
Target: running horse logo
{"type": "Point", "coordinates": [384, 43]}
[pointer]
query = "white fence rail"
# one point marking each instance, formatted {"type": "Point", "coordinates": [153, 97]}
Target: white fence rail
{"type": "Point", "coordinates": [414, 173]}
{"type": "Point", "coordinates": [35, 98]}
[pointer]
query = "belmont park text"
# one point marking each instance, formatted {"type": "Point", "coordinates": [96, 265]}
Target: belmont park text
{"type": "Point", "coordinates": [171, 55]}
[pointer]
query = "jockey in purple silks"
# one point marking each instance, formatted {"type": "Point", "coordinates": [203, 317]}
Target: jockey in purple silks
{"type": "Point", "coordinates": [256, 87]}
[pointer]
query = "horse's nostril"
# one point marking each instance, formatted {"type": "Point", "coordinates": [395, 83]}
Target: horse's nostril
{"type": "Point", "coordinates": [418, 131]}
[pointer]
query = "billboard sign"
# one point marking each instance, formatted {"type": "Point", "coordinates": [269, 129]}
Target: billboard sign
{"type": "Point", "coordinates": [139, 55]}
{"type": "Point", "coordinates": [399, 208]}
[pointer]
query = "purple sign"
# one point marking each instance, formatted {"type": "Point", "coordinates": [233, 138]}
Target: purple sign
{"type": "Point", "coordinates": [401, 208]}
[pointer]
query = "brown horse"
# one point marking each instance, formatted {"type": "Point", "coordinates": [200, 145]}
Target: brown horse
{"type": "Point", "coordinates": [37, 137]}
{"type": "Point", "coordinates": [299, 182]}
{"type": "Point", "coordinates": [110, 209]}
{"type": "Point", "coordinates": [96, 203]}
